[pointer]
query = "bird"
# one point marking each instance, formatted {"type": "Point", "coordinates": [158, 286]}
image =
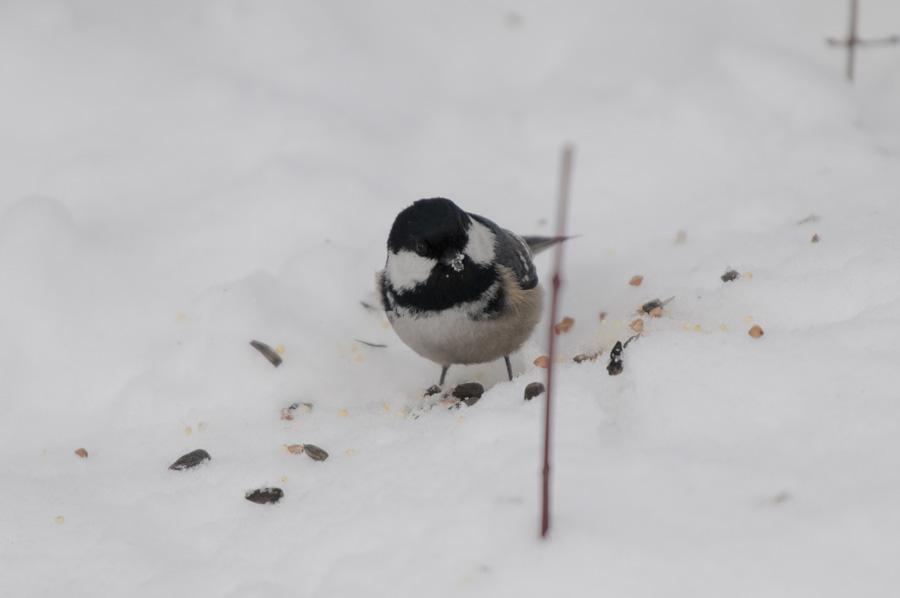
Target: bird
{"type": "Point", "coordinates": [457, 288]}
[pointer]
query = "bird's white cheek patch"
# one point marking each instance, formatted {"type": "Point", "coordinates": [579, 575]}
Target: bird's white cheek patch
{"type": "Point", "coordinates": [408, 270]}
{"type": "Point", "coordinates": [480, 247]}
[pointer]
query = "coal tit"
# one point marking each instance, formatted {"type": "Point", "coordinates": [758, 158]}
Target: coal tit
{"type": "Point", "coordinates": [457, 288]}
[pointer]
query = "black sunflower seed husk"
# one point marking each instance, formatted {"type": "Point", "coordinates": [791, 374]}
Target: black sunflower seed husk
{"type": "Point", "coordinates": [192, 459]}
{"type": "Point", "coordinates": [265, 495]}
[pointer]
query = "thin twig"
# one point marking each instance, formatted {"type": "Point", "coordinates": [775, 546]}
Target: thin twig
{"type": "Point", "coordinates": [562, 207]}
{"type": "Point", "coordinates": [886, 41]}
{"type": "Point", "coordinates": [851, 38]}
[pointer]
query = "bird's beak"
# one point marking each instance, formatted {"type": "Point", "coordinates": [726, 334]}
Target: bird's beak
{"type": "Point", "coordinates": [454, 259]}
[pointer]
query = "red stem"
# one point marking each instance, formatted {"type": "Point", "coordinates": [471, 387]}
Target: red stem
{"type": "Point", "coordinates": [562, 207]}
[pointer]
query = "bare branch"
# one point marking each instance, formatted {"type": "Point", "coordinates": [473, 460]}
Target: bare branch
{"type": "Point", "coordinates": [853, 39]}
{"type": "Point", "coordinates": [562, 208]}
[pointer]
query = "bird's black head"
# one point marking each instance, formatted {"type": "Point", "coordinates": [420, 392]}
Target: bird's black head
{"type": "Point", "coordinates": [438, 258]}
{"type": "Point", "coordinates": [433, 228]}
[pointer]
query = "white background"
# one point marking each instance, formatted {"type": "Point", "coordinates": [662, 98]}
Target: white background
{"type": "Point", "coordinates": [179, 178]}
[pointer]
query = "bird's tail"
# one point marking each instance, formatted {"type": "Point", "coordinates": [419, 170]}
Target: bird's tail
{"type": "Point", "coordinates": [539, 244]}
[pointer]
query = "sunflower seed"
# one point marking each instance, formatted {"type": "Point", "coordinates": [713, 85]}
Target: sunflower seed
{"type": "Point", "coordinates": [469, 393]}
{"type": "Point", "coordinates": [192, 459]}
{"type": "Point", "coordinates": [314, 452]}
{"type": "Point", "coordinates": [534, 389]}
{"type": "Point", "coordinates": [268, 352]}
{"type": "Point", "coordinates": [265, 495]}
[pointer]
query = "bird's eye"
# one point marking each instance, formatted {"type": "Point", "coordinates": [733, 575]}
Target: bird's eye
{"type": "Point", "coordinates": [421, 248]}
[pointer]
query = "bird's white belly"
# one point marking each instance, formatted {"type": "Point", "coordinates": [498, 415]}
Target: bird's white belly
{"type": "Point", "coordinates": [452, 336]}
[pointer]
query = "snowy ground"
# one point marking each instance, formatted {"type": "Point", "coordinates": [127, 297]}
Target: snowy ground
{"type": "Point", "coordinates": [179, 178]}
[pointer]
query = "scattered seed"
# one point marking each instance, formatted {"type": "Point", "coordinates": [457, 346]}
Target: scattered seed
{"type": "Point", "coordinates": [603, 315]}
{"type": "Point", "coordinates": [295, 449]}
{"type": "Point", "coordinates": [386, 406]}
{"type": "Point", "coordinates": [636, 280]}
{"type": "Point", "coordinates": [284, 478]}
{"type": "Point", "coordinates": [265, 495]}
{"type": "Point", "coordinates": [60, 519]}
{"type": "Point", "coordinates": [723, 327]}
{"type": "Point", "coordinates": [288, 412]}
{"type": "Point", "coordinates": [748, 275]}
{"type": "Point", "coordinates": [81, 453]}
{"type": "Point", "coordinates": [582, 357]}
{"type": "Point", "coordinates": [542, 362]}
{"type": "Point", "coordinates": [646, 308]}
{"type": "Point", "coordinates": [637, 325]}
{"type": "Point", "coordinates": [615, 366]}
{"type": "Point", "coordinates": [350, 452]}
{"type": "Point", "coordinates": [730, 275]}
{"type": "Point", "coordinates": [188, 431]}
{"type": "Point", "coordinates": [615, 360]}
{"type": "Point", "coordinates": [815, 238]}
{"type": "Point", "coordinates": [687, 325]}
{"type": "Point", "coordinates": [697, 328]}
{"type": "Point", "coordinates": [469, 393]}
{"type": "Point", "coordinates": [432, 390]}
{"type": "Point", "coordinates": [781, 497]}
{"type": "Point", "coordinates": [535, 389]}
{"type": "Point", "coordinates": [401, 415]}
{"type": "Point", "coordinates": [314, 452]}
{"type": "Point", "coordinates": [342, 413]}
{"type": "Point", "coordinates": [748, 319]}
{"type": "Point", "coordinates": [565, 325]}
{"type": "Point", "coordinates": [756, 331]}
{"type": "Point", "coordinates": [192, 459]}
{"type": "Point", "coordinates": [268, 352]}
{"type": "Point", "coordinates": [461, 419]}
{"type": "Point", "coordinates": [655, 306]}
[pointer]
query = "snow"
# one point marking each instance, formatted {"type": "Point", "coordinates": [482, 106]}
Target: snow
{"type": "Point", "coordinates": [179, 179]}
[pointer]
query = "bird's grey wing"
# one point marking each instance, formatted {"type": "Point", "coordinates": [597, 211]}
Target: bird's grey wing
{"type": "Point", "coordinates": [539, 244]}
{"type": "Point", "coordinates": [513, 252]}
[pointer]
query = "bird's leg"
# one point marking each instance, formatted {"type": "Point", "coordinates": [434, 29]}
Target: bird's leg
{"type": "Point", "coordinates": [443, 373]}
{"type": "Point", "coordinates": [508, 367]}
